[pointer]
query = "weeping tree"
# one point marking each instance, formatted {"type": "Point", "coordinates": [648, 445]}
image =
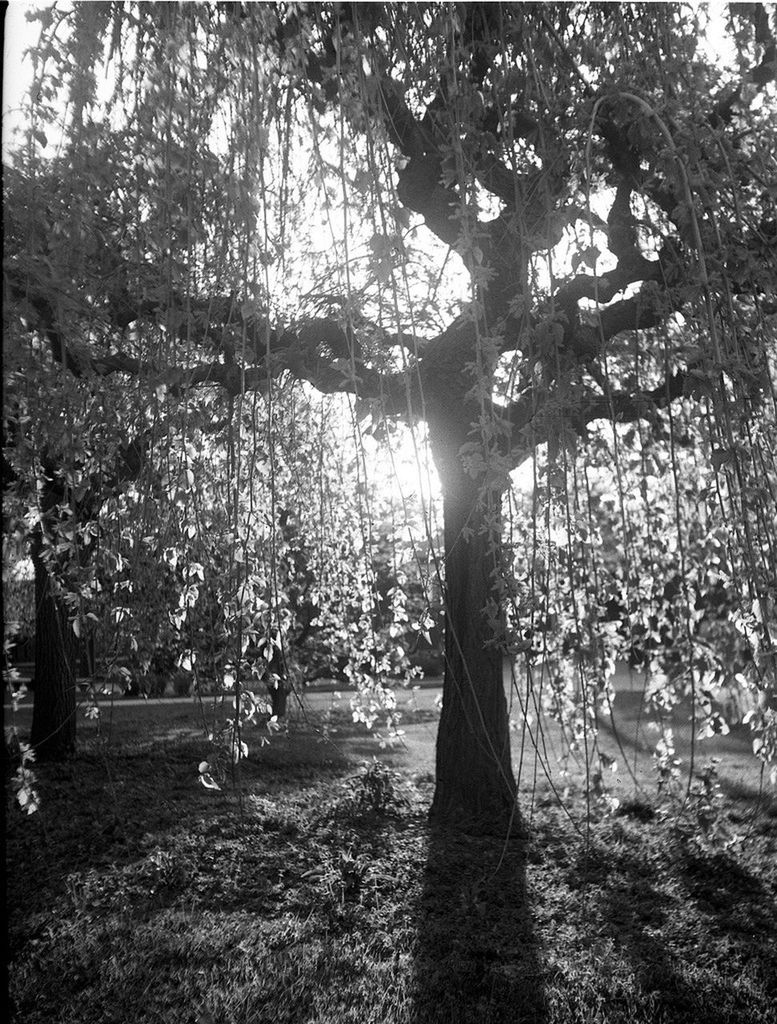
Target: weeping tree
{"type": "Point", "coordinates": [530, 234]}
{"type": "Point", "coordinates": [67, 451]}
{"type": "Point", "coordinates": [259, 577]}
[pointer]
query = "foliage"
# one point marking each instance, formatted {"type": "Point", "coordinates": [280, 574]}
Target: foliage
{"type": "Point", "coordinates": [18, 600]}
{"type": "Point", "coordinates": [376, 789]}
{"type": "Point", "coordinates": [25, 780]}
{"type": "Point", "coordinates": [542, 239]}
{"type": "Point", "coordinates": [674, 609]}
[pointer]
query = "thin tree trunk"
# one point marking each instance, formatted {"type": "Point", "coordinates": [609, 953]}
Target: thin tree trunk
{"type": "Point", "coordinates": [279, 698]}
{"type": "Point", "coordinates": [474, 780]}
{"type": "Point", "coordinates": [57, 650]}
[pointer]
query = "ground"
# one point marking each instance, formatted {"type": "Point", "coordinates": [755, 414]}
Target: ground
{"type": "Point", "coordinates": [310, 889]}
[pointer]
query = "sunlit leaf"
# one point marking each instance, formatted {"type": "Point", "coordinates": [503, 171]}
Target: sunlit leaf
{"type": "Point", "coordinates": [208, 781]}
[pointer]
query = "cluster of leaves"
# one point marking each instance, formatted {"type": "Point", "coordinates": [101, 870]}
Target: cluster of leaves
{"type": "Point", "coordinates": [377, 789]}
{"type": "Point", "coordinates": [644, 565]}
{"type": "Point", "coordinates": [24, 781]}
{"type": "Point", "coordinates": [180, 566]}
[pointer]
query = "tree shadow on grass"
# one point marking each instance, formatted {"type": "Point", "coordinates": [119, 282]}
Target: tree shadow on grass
{"type": "Point", "coordinates": [476, 957]}
{"type": "Point", "coordinates": [649, 925]}
{"type": "Point", "coordinates": [634, 913]}
{"type": "Point", "coordinates": [730, 894]}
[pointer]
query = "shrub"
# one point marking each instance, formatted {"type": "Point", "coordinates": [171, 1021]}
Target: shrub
{"type": "Point", "coordinates": [376, 789]}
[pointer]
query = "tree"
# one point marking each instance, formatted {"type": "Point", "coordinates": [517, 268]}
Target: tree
{"type": "Point", "coordinates": [602, 184]}
{"type": "Point", "coordinates": [63, 461]}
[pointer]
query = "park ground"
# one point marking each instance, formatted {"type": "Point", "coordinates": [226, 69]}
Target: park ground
{"type": "Point", "coordinates": [310, 888]}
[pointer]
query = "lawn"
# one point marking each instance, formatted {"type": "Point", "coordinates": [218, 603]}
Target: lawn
{"type": "Point", "coordinates": [311, 890]}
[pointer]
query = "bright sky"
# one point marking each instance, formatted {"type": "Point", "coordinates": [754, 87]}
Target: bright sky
{"type": "Point", "coordinates": [20, 34]}
{"type": "Point", "coordinates": [17, 73]}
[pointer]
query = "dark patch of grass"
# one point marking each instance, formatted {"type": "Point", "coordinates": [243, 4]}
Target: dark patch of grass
{"type": "Point", "coordinates": [637, 808]}
{"type": "Point", "coordinates": [476, 954]}
{"type": "Point", "coordinates": [322, 895]}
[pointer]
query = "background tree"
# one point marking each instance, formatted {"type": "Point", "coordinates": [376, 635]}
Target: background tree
{"type": "Point", "coordinates": [598, 188]}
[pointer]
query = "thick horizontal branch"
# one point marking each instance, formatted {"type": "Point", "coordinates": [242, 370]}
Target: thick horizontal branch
{"type": "Point", "coordinates": [638, 313]}
{"type": "Point", "coordinates": [38, 308]}
{"type": "Point", "coordinates": [627, 407]}
{"type": "Point", "coordinates": [604, 287]}
{"type": "Point", "coordinates": [530, 425]}
{"type": "Point", "coordinates": [320, 352]}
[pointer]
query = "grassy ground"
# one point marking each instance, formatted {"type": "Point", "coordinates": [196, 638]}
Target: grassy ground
{"type": "Point", "coordinates": [321, 895]}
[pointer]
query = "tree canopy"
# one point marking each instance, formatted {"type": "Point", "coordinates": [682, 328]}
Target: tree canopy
{"type": "Point", "coordinates": [539, 237]}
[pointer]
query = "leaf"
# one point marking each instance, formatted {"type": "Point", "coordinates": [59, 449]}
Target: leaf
{"type": "Point", "coordinates": [250, 308]}
{"type": "Point", "coordinates": [608, 763]}
{"type": "Point", "coordinates": [208, 781]}
{"type": "Point", "coordinates": [40, 136]}
{"type": "Point", "coordinates": [363, 181]}
{"type": "Point", "coordinates": [239, 750]}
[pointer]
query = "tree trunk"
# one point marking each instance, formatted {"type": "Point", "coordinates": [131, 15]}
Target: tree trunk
{"type": "Point", "coordinates": [474, 780]}
{"type": "Point", "coordinates": [57, 650]}
{"type": "Point", "coordinates": [279, 698]}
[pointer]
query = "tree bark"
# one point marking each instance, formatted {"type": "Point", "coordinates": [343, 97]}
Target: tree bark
{"type": "Point", "coordinates": [475, 786]}
{"type": "Point", "coordinates": [279, 697]}
{"type": "Point", "coordinates": [57, 650]}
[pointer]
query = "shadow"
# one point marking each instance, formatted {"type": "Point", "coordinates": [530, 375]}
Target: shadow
{"type": "Point", "coordinates": [727, 892]}
{"type": "Point", "coordinates": [476, 959]}
{"type": "Point", "coordinates": [636, 915]}
{"type": "Point", "coordinates": [633, 914]}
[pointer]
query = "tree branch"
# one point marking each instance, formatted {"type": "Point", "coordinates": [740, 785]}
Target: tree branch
{"type": "Point", "coordinates": [604, 287]}
{"type": "Point", "coordinates": [626, 407]}
{"type": "Point", "coordinates": [530, 425]}
{"type": "Point", "coordinates": [320, 352]}
{"type": "Point", "coordinates": [638, 313]}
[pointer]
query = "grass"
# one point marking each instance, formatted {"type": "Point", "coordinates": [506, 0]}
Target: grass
{"type": "Point", "coordinates": [322, 896]}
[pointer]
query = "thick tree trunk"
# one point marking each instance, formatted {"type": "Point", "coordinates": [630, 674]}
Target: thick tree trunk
{"type": "Point", "coordinates": [474, 781]}
{"type": "Point", "coordinates": [57, 651]}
